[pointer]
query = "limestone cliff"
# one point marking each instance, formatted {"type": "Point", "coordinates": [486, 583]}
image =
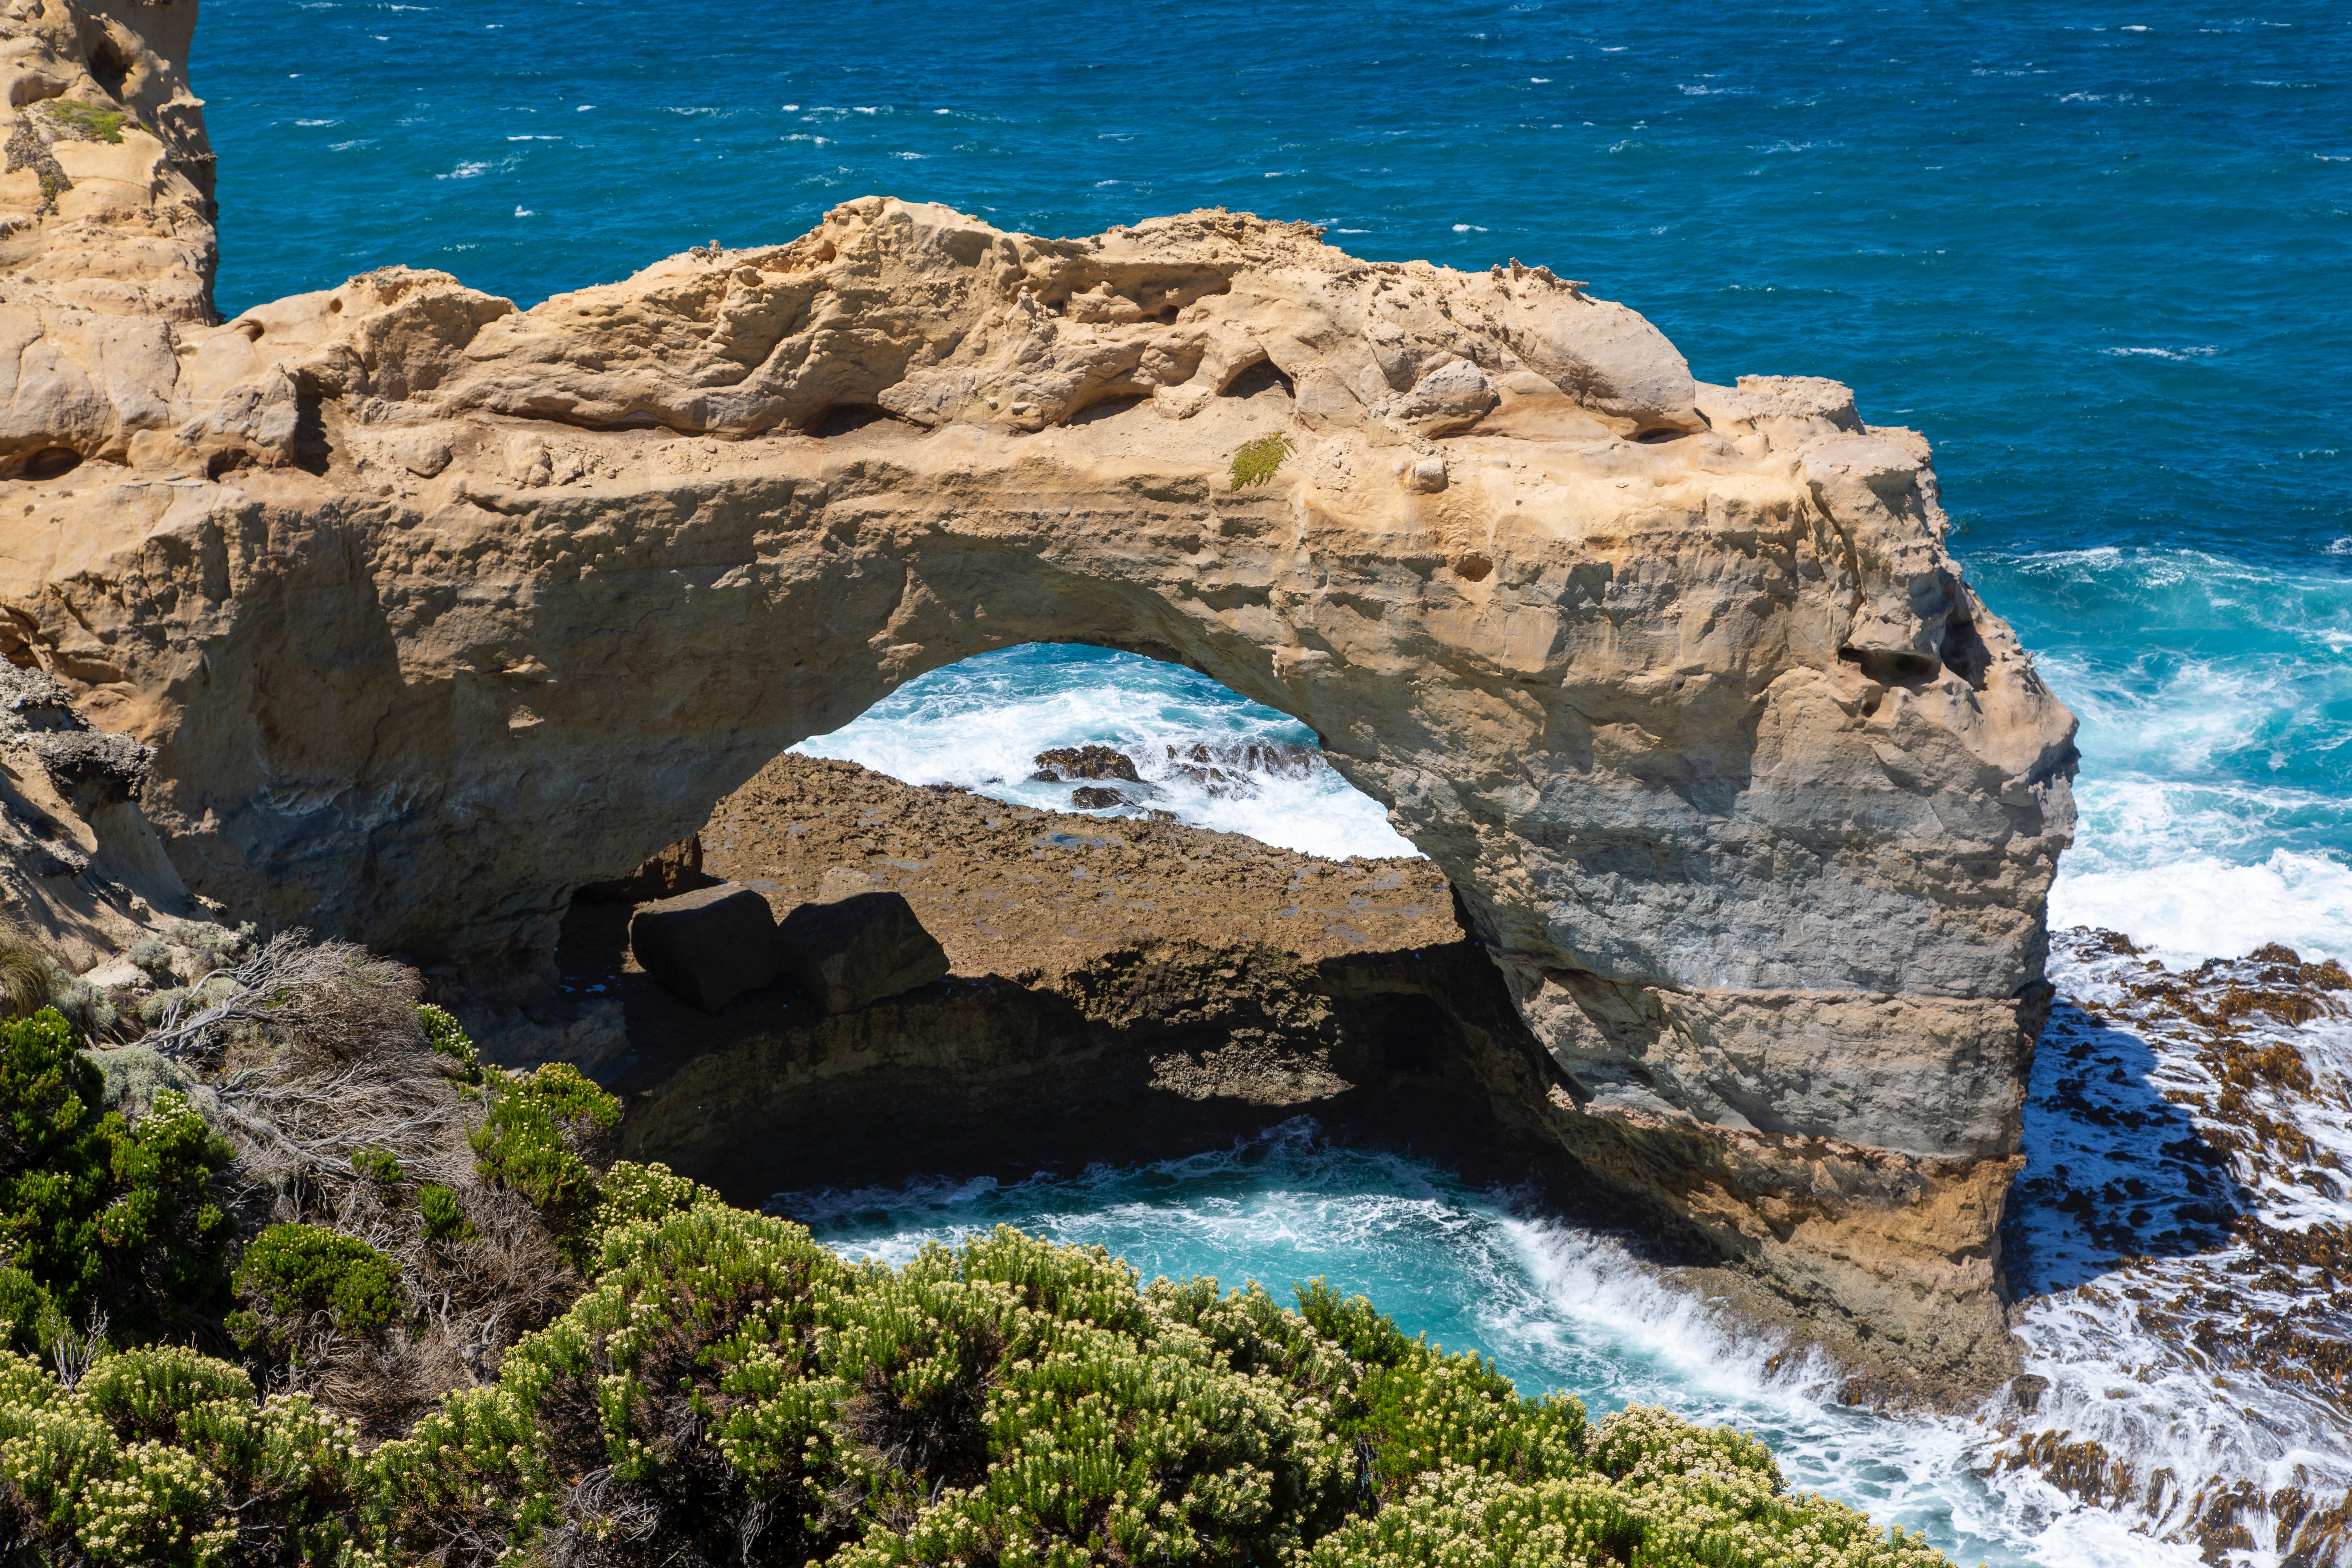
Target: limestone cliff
{"type": "Point", "coordinates": [434, 610]}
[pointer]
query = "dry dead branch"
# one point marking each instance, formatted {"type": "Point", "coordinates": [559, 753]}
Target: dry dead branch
{"type": "Point", "coordinates": [331, 999]}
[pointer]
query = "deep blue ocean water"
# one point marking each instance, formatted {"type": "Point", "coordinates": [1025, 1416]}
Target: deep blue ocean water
{"type": "Point", "coordinates": [2102, 255]}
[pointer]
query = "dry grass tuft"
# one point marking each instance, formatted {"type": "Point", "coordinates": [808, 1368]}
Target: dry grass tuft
{"type": "Point", "coordinates": [27, 979]}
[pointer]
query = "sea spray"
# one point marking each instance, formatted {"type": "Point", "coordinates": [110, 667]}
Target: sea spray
{"type": "Point", "coordinates": [2215, 692]}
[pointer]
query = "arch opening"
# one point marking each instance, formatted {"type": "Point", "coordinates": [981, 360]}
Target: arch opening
{"type": "Point", "coordinates": [1128, 987]}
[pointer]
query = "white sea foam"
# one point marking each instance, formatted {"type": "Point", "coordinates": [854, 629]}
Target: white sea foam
{"type": "Point", "coordinates": [981, 724]}
{"type": "Point", "coordinates": [2215, 806]}
{"type": "Point", "coordinates": [1557, 1306]}
{"type": "Point", "coordinates": [2198, 906]}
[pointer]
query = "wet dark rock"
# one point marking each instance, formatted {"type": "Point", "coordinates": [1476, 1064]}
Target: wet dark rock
{"type": "Point", "coordinates": [1085, 763]}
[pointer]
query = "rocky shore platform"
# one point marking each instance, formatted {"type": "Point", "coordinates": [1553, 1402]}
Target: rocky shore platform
{"type": "Point", "coordinates": [1120, 990]}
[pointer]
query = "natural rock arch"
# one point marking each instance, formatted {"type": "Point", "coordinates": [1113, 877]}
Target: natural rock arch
{"type": "Point", "coordinates": [435, 610]}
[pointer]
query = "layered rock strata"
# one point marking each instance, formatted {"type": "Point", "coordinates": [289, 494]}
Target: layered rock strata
{"type": "Point", "coordinates": [434, 610]}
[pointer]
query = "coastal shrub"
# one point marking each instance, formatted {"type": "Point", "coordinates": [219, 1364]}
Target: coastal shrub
{"type": "Point", "coordinates": [161, 1456]}
{"type": "Point", "coordinates": [213, 946]}
{"type": "Point", "coordinates": [29, 1319]}
{"type": "Point", "coordinates": [531, 1138]}
{"type": "Point", "coordinates": [379, 1166]}
{"type": "Point", "coordinates": [152, 958]}
{"type": "Point", "coordinates": [133, 1075]}
{"type": "Point", "coordinates": [535, 1139]}
{"type": "Point", "coordinates": [447, 1038]}
{"type": "Point", "coordinates": [440, 1216]}
{"type": "Point", "coordinates": [1257, 461]}
{"type": "Point", "coordinates": [630, 1192]}
{"type": "Point", "coordinates": [292, 1273]}
{"type": "Point", "coordinates": [101, 1213]}
{"type": "Point", "coordinates": [1416, 1409]}
{"type": "Point", "coordinates": [91, 1011]}
{"type": "Point", "coordinates": [729, 1389]}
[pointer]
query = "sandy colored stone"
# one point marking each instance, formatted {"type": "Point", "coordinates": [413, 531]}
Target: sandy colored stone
{"type": "Point", "coordinates": [81, 870]}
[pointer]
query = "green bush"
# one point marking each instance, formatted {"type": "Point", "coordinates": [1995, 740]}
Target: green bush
{"type": "Point", "coordinates": [443, 1219]}
{"type": "Point", "coordinates": [29, 1319]}
{"type": "Point", "coordinates": [531, 1139]}
{"type": "Point", "coordinates": [152, 958]}
{"type": "Point", "coordinates": [101, 1213]}
{"type": "Point", "coordinates": [443, 1034]}
{"type": "Point", "coordinates": [630, 1192]}
{"type": "Point", "coordinates": [290, 1273]}
{"type": "Point", "coordinates": [379, 1165]}
{"type": "Point", "coordinates": [161, 1455]}
{"type": "Point", "coordinates": [728, 1390]}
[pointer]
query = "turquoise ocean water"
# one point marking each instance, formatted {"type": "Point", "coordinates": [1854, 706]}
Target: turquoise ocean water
{"type": "Point", "coordinates": [2102, 255]}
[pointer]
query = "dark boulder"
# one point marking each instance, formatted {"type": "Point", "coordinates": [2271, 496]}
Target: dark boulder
{"type": "Point", "coordinates": [1084, 763]}
{"type": "Point", "coordinates": [708, 946]}
{"type": "Point", "coordinates": [860, 950]}
{"type": "Point", "coordinates": [1093, 797]}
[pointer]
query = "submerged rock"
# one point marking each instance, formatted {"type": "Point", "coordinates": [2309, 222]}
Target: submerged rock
{"type": "Point", "coordinates": [1085, 763]}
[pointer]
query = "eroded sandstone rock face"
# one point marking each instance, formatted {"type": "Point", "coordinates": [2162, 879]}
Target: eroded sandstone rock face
{"type": "Point", "coordinates": [435, 610]}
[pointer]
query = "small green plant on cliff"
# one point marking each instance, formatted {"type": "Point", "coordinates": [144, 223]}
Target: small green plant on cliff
{"type": "Point", "coordinates": [1257, 461]}
{"type": "Point", "coordinates": [447, 1038]}
{"type": "Point", "coordinates": [293, 1275]}
{"type": "Point", "coordinates": [535, 1139]}
{"type": "Point", "coordinates": [379, 1165]}
{"type": "Point", "coordinates": [97, 1214]}
{"type": "Point", "coordinates": [88, 121]}
{"type": "Point", "coordinates": [440, 1216]}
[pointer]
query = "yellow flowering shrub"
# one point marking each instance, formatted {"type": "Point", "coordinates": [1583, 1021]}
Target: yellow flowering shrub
{"type": "Point", "coordinates": [161, 1455]}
